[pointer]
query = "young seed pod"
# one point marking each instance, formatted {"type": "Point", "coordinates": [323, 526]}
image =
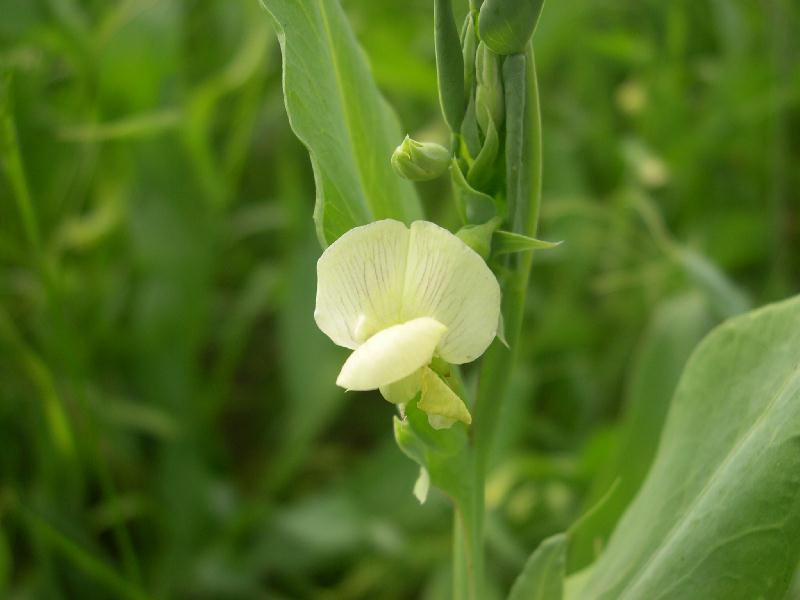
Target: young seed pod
{"type": "Point", "coordinates": [449, 64]}
{"type": "Point", "coordinates": [505, 26]}
{"type": "Point", "coordinates": [489, 100]}
{"type": "Point", "coordinates": [517, 178]}
{"type": "Point", "coordinates": [420, 161]}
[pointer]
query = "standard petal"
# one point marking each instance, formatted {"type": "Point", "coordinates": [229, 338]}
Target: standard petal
{"type": "Point", "coordinates": [391, 354]}
{"type": "Point", "coordinates": [360, 282]}
{"type": "Point", "coordinates": [448, 281]}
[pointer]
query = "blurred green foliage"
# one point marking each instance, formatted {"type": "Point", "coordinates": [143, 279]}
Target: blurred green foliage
{"type": "Point", "coordinates": [169, 425]}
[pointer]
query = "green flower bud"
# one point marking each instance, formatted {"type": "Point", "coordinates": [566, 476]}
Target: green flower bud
{"type": "Point", "coordinates": [489, 99]}
{"type": "Point", "coordinates": [469, 45]}
{"type": "Point", "coordinates": [507, 25]}
{"type": "Point", "coordinates": [420, 161]}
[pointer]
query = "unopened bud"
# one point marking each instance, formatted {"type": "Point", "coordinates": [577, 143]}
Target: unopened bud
{"type": "Point", "coordinates": [420, 161]}
{"type": "Point", "coordinates": [489, 99]}
{"type": "Point", "coordinates": [469, 45]}
{"type": "Point", "coordinates": [507, 25]}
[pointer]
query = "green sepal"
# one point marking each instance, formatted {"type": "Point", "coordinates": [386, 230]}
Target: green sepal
{"type": "Point", "coordinates": [470, 133]}
{"type": "Point", "coordinates": [501, 330]}
{"type": "Point", "coordinates": [473, 206]}
{"type": "Point", "coordinates": [507, 242]}
{"type": "Point", "coordinates": [479, 237]}
{"type": "Point", "coordinates": [441, 366]}
{"type": "Point", "coordinates": [441, 452]}
{"type": "Point", "coordinates": [449, 64]}
{"type": "Point", "coordinates": [481, 171]}
{"type": "Point", "coordinates": [409, 442]}
{"type": "Point", "coordinates": [506, 26]}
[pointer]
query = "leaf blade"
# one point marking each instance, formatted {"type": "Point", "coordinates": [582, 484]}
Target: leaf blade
{"type": "Point", "coordinates": [677, 325]}
{"type": "Point", "coordinates": [704, 523]}
{"type": "Point", "coordinates": [336, 110]}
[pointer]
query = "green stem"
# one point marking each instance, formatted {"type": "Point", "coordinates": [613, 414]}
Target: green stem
{"type": "Point", "coordinates": [461, 570]}
{"type": "Point", "coordinates": [468, 563]}
{"type": "Point", "coordinates": [498, 362]}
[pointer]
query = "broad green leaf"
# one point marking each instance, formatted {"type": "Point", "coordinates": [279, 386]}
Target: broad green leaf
{"type": "Point", "coordinates": [542, 578]}
{"type": "Point", "coordinates": [794, 589]}
{"type": "Point", "coordinates": [719, 514]}
{"type": "Point", "coordinates": [336, 110]}
{"type": "Point", "coordinates": [678, 324]}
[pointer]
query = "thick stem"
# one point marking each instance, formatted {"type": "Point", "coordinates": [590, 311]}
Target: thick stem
{"type": "Point", "coordinates": [468, 569]}
{"type": "Point", "coordinates": [497, 364]}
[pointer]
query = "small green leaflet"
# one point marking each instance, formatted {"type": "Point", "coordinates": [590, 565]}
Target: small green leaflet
{"type": "Point", "coordinates": [507, 242]}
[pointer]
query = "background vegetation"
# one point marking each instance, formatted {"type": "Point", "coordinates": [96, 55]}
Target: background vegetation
{"type": "Point", "coordinates": [169, 427]}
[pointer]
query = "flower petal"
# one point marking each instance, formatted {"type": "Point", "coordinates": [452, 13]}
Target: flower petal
{"type": "Point", "coordinates": [391, 354]}
{"type": "Point", "coordinates": [360, 282]}
{"type": "Point", "coordinates": [422, 485]}
{"type": "Point", "coordinates": [382, 274]}
{"type": "Point", "coordinates": [403, 390]}
{"type": "Point", "coordinates": [442, 404]}
{"type": "Point", "coordinates": [448, 281]}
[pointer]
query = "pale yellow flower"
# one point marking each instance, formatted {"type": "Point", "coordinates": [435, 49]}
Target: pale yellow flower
{"type": "Point", "coordinates": [398, 296]}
